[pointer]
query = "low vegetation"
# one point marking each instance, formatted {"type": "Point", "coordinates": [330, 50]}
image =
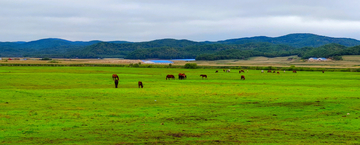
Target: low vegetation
{"type": "Point", "coordinates": [80, 105]}
{"type": "Point", "coordinates": [190, 65]}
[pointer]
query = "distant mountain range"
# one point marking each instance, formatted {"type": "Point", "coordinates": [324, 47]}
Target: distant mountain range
{"type": "Point", "coordinates": [171, 48]}
{"type": "Point", "coordinates": [296, 40]}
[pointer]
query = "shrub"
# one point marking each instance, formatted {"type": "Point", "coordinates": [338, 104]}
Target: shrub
{"type": "Point", "coordinates": [45, 58]}
{"type": "Point", "coordinates": [190, 65]}
{"type": "Point", "coordinates": [337, 58]}
{"type": "Point", "coordinates": [136, 65]}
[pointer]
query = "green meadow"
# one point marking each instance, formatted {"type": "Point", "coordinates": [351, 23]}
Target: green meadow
{"type": "Point", "coordinates": [80, 105]}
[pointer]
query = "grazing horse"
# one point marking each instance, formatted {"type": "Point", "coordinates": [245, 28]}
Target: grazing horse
{"type": "Point", "coordinates": [216, 71]}
{"type": "Point", "coordinates": [116, 79]}
{"type": "Point", "coordinates": [204, 76]}
{"type": "Point", "coordinates": [274, 72]}
{"type": "Point", "coordinates": [294, 71]}
{"type": "Point", "coordinates": [269, 71]}
{"type": "Point", "coordinates": [140, 84]}
{"type": "Point", "coordinates": [170, 77]}
{"type": "Point", "coordinates": [116, 83]}
{"type": "Point", "coordinates": [242, 71]}
{"type": "Point", "coordinates": [278, 72]}
{"type": "Point", "coordinates": [223, 70]}
{"type": "Point", "coordinates": [323, 71]}
{"type": "Point", "coordinates": [182, 76]}
{"type": "Point", "coordinates": [242, 77]}
{"type": "Point", "coordinates": [228, 70]}
{"type": "Point", "coordinates": [115, 76]}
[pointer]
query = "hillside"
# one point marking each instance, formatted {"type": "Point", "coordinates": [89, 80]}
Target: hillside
{"type": "Point", "coordinates": [105, 49]}
{"type": "Point", "coordinates": [302, 45]}
{"type": "Point", "coordinates": [296, 40]}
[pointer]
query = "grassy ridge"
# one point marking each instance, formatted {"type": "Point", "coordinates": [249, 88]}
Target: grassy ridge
{"type": "Point", "coordinates": [80, 105]}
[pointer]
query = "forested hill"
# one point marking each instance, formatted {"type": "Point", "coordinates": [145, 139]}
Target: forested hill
{"type": "Point", "coordinates": [304, 45]}
{"type": "Point", "coordinates": [296, 40]}
{"type": "Point", "coordinates": [105, 49]}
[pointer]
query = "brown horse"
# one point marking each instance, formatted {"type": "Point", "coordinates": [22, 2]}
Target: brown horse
{"type": "Point", "coordinates": [182, 76]}
{"type": "Point", "coordinates": [116, 79]}
{"type": "Point", "coordinates": [278, 72]}
{"type": "Point", "coordinates": [242, 71]}
{"type": "Point", "coordinates": [323, 71]}
{"type": "Point", "coordinates": [242, 77]}
{"type": "Point", "coordinates": [140, 84]}
{"type": "Point", "coordinates": [204, 76]}
{"type": "Point", "coordinates": [170, 77]}
{"type": "Point", "coordinates": [239, 71]}
{"type": "Point", "coordinates": [273, 71]}
{"type": "Point", "coordinates": [223, 70]}
{"type": "Point", "coordinates": [269, 71]}
{"type": "Point", "coordinates": [216, 71]}
{"type": "Point", "coordinates": [115, 76]}
{"type": "Point", "coordinates": [294, 71]}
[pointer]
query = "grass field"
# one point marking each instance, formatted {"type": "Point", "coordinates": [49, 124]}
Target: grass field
{"type": "Point", "coordinates": [79, 105]}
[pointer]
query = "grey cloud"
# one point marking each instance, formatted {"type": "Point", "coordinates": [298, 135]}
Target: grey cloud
{"type": "Point", "coordinates": [141, 20]}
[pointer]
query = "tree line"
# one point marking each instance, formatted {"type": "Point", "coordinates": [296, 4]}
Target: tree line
{"type": "Point", "coordinates": [177, 49]}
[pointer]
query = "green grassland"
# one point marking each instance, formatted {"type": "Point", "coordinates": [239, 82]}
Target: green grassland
{"type": "Point", "coordinates": [80, 105]}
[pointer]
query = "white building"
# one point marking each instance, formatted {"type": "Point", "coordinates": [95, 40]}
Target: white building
{"type": "Point", "coordinates": [313, 59]}
{"type": "Point", "coordinates": [322, 59]}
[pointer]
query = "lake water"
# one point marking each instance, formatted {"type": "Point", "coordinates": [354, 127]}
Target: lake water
{"type": "Point", "coordinates": [183, 59]}
{"type": "Point", "coordinates": [167, 61]}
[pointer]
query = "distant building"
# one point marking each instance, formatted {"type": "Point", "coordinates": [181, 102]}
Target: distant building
{"type": "Point", "coordinates": [322, 59]}
{"type": "Point", "coordinates": [317, 59]}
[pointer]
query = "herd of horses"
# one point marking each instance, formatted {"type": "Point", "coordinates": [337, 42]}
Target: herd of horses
{"type": "Point", "coordinates": [183, 76]}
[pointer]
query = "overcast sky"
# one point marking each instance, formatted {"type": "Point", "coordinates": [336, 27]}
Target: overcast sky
{"type": "Point", "coordinates": [198, 20]}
